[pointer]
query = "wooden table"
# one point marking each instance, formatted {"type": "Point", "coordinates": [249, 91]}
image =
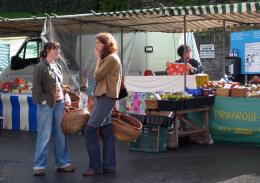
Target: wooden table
{"type": "Point", "coordinates": [181, 119]}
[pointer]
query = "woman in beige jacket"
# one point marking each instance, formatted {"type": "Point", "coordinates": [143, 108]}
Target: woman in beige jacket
{"type": "Point", "coordinates": [108, 75]}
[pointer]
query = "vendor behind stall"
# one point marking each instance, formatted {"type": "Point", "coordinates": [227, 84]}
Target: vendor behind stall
{"type": "Point", "coordinates": [193, 65]}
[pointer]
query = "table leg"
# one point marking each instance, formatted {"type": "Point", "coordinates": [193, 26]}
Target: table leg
{"type": "Point", "coordinates": [1, 124]}
{"type": "Point", "coordinates": [206, 125]}
{"type": "Point", "coordinates": [176, 128]}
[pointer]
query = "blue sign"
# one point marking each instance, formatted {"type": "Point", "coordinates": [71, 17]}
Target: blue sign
{"type": "Point", "coordinates": [247, 44]}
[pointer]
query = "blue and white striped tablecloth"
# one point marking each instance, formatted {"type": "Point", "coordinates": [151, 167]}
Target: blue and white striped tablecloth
{"type": "Point", "coordinates": [18, 111]}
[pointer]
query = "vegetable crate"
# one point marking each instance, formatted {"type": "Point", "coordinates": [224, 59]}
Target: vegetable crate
{"type": "Point", "coordinates": [238, 92]}
{"type": "Point", "coordinates": [140, 117]}
{"type": "Point", "coordinates": [151, 104]}
{"type": "Point", "coordinates": [185, 104]}
{"type": "Point", "coordinates": [158, 120]}
{"type": "Point", "coordinates": [154, 138]}
{"type": "Point", "coordinates": [225, 92]}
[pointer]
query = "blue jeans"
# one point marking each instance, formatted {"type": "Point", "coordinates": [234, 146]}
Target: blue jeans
{"type": "Point", "coordinates": [48, 121]}
{"type": "Point", "coordinates": [101, 117]}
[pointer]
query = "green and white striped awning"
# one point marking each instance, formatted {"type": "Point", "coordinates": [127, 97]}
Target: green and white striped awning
{"type": "Point", "coordinates": [192, 10]}
{"type": "Point", "coordinates": [164, 19]}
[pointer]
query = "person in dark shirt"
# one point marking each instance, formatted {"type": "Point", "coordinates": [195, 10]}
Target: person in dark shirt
{"type": "Point", "coordinates": [193, 65]}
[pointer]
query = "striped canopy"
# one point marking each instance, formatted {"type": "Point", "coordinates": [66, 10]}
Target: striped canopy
{"type": "Point", "coordinates": [164, 19]}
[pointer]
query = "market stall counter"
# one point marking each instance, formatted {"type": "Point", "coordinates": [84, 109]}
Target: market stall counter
{"type": "Point", "coordinates": [234, 120]}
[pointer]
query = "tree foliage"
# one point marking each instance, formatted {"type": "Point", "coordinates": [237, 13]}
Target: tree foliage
{"type": "Point", "coordinates": [39, 7]}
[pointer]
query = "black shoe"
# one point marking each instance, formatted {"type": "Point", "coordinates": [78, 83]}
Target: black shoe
{"type": "Point", "coordinates": [91, 172]}
{"type": "Point", "coordinates": [109, 170]}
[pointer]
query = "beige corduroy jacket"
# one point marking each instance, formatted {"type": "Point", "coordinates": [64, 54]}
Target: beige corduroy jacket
{"type": "Point", "coordinates": [108, 76]}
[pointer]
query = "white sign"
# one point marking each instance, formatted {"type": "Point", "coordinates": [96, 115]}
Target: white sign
{"type": "Point", "coordinates": [207, 51]}
{"type": "Point", "coordinates": [252, 57]}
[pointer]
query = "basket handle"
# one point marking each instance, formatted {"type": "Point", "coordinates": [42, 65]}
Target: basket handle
{"type": "Point", "coordinates": [116, 114]}
{"type": "Point", "coordinates": [69, 108]}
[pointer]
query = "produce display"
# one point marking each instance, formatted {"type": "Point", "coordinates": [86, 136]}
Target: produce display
{"type": "Point", "coordinates": [203, 95]}
{"type": "Point", "coordinates": [19, 85]}
{"type": "Point", "coordinates": [177, 101]}
{"type": "Point", "coordinates": [255, 80]}
{"type": "Point", "coordinates": [233, 89]}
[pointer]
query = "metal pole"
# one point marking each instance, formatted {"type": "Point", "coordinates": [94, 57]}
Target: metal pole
{"type": "Point", "coordinates": [122, 45]}
{"type": "Point", "coordinates": [80, 55]}
{"type": "Point", "coordinates": [185, 58]}
{"type": "Point", "coordinates": [224, 47]}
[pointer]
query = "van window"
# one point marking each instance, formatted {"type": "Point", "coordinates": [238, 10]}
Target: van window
{"type": "Point", "coordinates": [30, 50]}
{"type": "Point", "coordinates": [28, 55]}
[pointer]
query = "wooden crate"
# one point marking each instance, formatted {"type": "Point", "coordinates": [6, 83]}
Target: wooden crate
{"type": "Point", "coordinates": [238, 92]}
{"type": "Point", "coordinates": [223, 92]}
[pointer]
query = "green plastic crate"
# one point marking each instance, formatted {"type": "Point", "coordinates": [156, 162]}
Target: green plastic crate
{"type": "Point", "coordinates": [154, 138]}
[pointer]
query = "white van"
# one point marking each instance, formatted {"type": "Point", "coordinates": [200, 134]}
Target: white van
{"type": "Point", "coordinates": [23, 61]}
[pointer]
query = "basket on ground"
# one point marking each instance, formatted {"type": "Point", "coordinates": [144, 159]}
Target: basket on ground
{"type": "Point", "coordinates": [125, 128]}
{"type": "Point", "coordinates": [74, 120]}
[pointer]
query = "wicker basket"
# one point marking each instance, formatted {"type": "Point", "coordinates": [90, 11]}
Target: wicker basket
{"type": "Point", "coordinates": [151, 104]}
{"type": "Point", "coordinates": [125, 128]}
{"type": "Point", "coordinates": [223, 92]}
{"type": "Point", "coordinates": [74, 120]}
{"type": "Point", "coordinates": [238, 92]}
{"type": "Point", "coordinates": [75, 99]}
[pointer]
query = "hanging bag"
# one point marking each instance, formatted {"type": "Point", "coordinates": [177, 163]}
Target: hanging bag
{"type": "Point", "coordinates": [123, 91]}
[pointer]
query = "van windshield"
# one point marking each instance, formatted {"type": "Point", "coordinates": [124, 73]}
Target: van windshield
{"type": "Point", "coordinates": [27, 55]}
{"type": "Point", "coordinates": [30, 51]}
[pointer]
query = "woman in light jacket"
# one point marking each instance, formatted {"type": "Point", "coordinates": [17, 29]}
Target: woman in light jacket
{"type": "Point", "coordinates": [108, 74]}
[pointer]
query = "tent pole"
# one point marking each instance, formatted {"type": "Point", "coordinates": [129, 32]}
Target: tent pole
{"type": "Point", "coordinates": [185, 59]}
{"type": "Point", "coordinates": [224, 46]}
{"type": "Point", "coordinates": [80, 56]}
{"type": "Point", "coordinates": [122, 46]}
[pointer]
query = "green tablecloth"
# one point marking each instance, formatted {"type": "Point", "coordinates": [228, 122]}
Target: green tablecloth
{"type": "Point", "coordinates": [234, 120]}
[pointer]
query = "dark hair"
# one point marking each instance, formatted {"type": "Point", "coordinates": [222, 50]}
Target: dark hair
{"type": "Point", "coordinates": [47, 47]}
{"type": "Point", "coordinates": [110, 45]}
{"type": "Point", "coordinates": [180, 50]}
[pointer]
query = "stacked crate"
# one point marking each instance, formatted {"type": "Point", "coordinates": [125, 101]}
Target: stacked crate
{"type": "Point", "coordinates": [154, 136]}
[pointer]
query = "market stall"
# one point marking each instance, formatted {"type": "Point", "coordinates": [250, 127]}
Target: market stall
{"type": "Point", "coordinates": [164, 19]}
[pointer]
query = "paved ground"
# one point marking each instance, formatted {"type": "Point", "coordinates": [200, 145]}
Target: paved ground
{"type": "Point", "coordinates": [190, 164]}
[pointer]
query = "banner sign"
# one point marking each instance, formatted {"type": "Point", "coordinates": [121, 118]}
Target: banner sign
{"type": "Point", "coordinates": [235, 120]}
